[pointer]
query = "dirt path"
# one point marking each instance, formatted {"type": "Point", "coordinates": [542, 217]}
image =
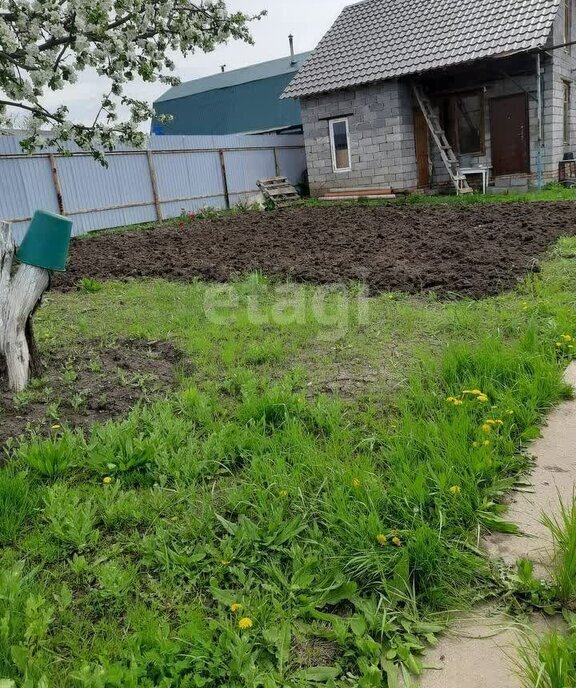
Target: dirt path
{"type": "Point", "coordinates": [480, 650]}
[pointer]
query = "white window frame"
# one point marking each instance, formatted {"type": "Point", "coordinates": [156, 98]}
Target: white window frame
{"type": "Point", "coordinates": [331, 124]}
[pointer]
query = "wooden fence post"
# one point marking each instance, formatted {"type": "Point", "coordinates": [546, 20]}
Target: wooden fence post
{"type": "Point", "coordinates": [154, 182]}
{"type": "Point", "coordinates": [276, 162]}
{"type": "Point", "coordinates": [57, 186]}
{"type": "Point", "coordinates": [224, 178]}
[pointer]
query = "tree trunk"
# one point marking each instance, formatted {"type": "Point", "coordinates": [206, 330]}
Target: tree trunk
{"type": "Point", "coordinates": [20, 295]}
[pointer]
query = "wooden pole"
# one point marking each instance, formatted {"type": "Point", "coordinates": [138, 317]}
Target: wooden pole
{"type": "Point", "coordinates": [57, 185]}
{"type": "Point", "coordinates": [224, 178]}
{"type": "Point", "coordinates": [276, 162]}
{"type": "Point", "coordinates": [20, 295]}
{"type": "Point", "coordinates": [154, 181]}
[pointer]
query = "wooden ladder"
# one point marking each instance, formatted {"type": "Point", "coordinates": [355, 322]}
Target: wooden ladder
{"type": "Point", "coordinates": [279, 191]}
{"type": "Point", "coordinates": [449, 158]}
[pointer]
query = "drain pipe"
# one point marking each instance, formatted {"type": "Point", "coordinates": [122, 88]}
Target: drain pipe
{"type": "Point", "coordinates": [540, 128]}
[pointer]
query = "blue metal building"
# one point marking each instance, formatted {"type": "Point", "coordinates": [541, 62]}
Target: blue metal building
{"type": "Point", "coordinates": [236, 102]}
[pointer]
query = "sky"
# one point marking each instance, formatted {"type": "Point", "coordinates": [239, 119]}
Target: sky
{"type": "Point", "coordinates": [307, 20]}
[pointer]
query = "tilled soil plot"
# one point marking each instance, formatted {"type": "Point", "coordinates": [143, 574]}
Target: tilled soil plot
{"type": "Point", "coordinates": [95, 383]}
{"type": "Point", "coordinates": [472, 250]}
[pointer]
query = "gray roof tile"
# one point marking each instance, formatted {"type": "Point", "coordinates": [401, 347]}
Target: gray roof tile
{"type": "Point", "coordinates": [376, 40]}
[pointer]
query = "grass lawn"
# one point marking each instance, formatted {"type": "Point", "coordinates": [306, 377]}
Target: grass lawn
{"type": "Point", "coordinates": [248, 530]}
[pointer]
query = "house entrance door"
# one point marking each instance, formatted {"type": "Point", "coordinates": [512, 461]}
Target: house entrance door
{"type": "Point", "coordinates": [509, 125]}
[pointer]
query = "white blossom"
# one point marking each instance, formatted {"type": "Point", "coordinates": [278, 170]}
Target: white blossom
{"type": "Point", "coordinates": [45, 44]}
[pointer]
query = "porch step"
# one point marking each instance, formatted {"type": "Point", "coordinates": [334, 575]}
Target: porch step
{"type": "Point", "coordinates": [364, 191]}
{"type": "Point", "coordinates": [356, 197]}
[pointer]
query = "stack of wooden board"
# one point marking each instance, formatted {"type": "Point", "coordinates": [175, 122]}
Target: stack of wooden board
{"type": "Point", "coordinates": [355, 194]}
{"type": "Point", "coordinates": [279, 191]}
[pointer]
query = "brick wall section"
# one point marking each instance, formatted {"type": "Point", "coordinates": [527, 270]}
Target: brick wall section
{"type": "Point", "coordinates": [381, 137]}
{"type": "Point", "coordinates": [382, 128]}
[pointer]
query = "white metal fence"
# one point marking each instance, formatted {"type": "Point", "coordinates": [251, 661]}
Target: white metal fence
{"type": "Point", "coordinates": [174, 173]}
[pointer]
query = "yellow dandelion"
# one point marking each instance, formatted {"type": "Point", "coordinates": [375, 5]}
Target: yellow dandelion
{"type": "Point", "coordinates": [235, 607]}
{"type": "Point", "coordinates": [381, 539]}
{"type": "Point", "coordinates": [245, 624]}
{"type": "Point", "coordinates": [455, 489]}
{"type": "Point", "coordinates": [486, 427]}
{"type": "Point", "coordinates": [566, 337]}
{"type": "Point", "coordinates": [458, 402]}
{"type": "Point", "coordinates": [56, 426]}
{"type": "Point", "coordinates": [283, 493]}
{"type": "Point", "coordinates": [482, 398]}
{"type": "Point", "coordinates": [356, 484]}
{"type": "Point", "coordinates": [107, 480]}
{"type": "Point", "coordinates": [451, 400]}
{"type": "Point", "coordinates": [396, 541]}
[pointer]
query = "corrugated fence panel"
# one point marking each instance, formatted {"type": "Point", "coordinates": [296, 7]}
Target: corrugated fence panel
{"type": "Point", "coordinates": [188, 173]}
{"type": "Point", "coordinates": [25, 186]}
{"type": "Point", "coordinates": [244, 168]}
{"type": "Point", "coordinates": [292, 163]}
{"type": "Point", "coordinates": [92, 193]}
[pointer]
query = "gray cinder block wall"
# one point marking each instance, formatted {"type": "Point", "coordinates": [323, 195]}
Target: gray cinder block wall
{"type": "Point", "coordinates": [382, 128]}
{"type": "Point", "coordinates": [381, 137]}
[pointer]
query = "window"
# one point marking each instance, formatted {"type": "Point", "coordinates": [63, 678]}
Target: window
{"type": "Point", "coordinates": [340, 143]}
{"type": "Point", "coordinates": [568, 24]}
{"type": "Point", "coordinates": [463, 121]}
{"type": "Point", "coordinates": [567, 113]}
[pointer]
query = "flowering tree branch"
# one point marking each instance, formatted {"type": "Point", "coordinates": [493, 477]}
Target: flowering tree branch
{"type": "Point", "coordinates": [46, 44]}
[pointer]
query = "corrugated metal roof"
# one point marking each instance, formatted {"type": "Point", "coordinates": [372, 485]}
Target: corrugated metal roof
{"type": "Point", "coordinates": [376, 40]}
{"type": "Point", "coordinates": [235, 77]}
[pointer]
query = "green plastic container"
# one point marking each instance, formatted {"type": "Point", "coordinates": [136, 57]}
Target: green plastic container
{"type": "Point", "coordinates": [46, 242]}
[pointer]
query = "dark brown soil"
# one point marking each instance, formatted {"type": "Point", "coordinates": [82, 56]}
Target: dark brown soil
{"type": "Point", "coordinates": [95, 383]}
{"type": "Point", "coordinates": [471, 250]}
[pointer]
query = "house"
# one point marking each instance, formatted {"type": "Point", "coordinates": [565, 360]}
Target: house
{"type": "Point", "coordinates": [418, 94]}
{"type": "Point", "coordinates": [234, 102]}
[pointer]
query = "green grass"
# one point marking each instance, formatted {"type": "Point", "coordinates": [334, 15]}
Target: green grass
{"type": "Point", "coordinates": [550, 661]}
{"type": "Point", "coordinates": [345, 526]}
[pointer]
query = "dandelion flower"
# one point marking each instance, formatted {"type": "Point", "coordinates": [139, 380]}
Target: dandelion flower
{"type": "Point", "coordinates": [235, 607]}
{"type": "Point", "coordinates": [356, 484]}
{"type": "Point", "coordinates": [486, 427]}
{"type": "Point", "coordinates": [566, 337]}
{"type": "Point", "coordinates": [245, 624]}
{"type": "Point", "coordinates": [455, 489]}
{"type": "Point", "coordinates": [458, 402]}
{"type": "Point", "coordinates": [396, 541]}
{"type": "Point", "coordinates": [283, 493]}
{"type": "Point", "coordinates": [107, 480]}
{"type": "Point", "coordinates": [381, 539]}
{"type": "Point", "coordinates": [56, 426]}
{"type": "Point", "coordinates": [482, 398]}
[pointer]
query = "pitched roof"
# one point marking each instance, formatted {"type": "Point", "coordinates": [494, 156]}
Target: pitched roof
{"type": "Point", "coordinates": [235, 77]}
{"type": "Point", "coordinates": [376, 40]}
